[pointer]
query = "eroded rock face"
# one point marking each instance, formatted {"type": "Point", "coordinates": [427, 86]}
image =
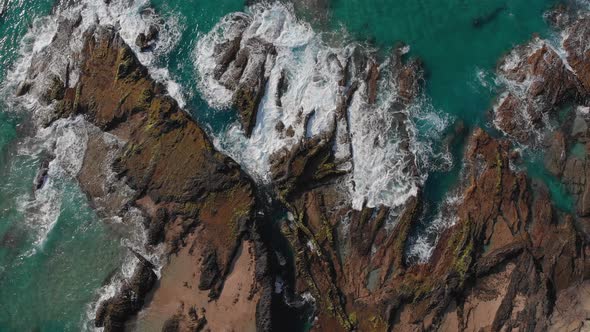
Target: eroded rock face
{"type": "Point", "coordinates": [240, 66]}
{"type": "Point", "coordinates": [345, 258]}
{"type": "Point", "coordinates": [508, 255]}
{"type": "Point", "coordinates": [114, 312]}
{"type": "Point", "coordinates": [538, 83]}
{"type": "Point", "coordinates": [567, 159]}
{"type": "Point", "coordinates": [146, 40]}
{"type": "Point", "coordinates": [577, 53]}
{"type": "Point", "coordinates": [177, 180]}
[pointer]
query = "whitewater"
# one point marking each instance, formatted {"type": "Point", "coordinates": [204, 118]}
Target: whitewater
{"type": "Point", "coordinates": [384, 172]}
{"type": "Point", "coordinates": [386, 165]}
{"type": "Point", "coordinates": [50, 49]}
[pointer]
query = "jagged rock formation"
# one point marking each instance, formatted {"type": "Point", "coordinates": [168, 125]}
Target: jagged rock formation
{"type": "Point", "coordinates": [345, 258]}
{"type": "Point", "coordinates": [541, 85]}
{"type": "Point", "coordinates": [241, 69]}
{"type": "Point", "coordinates": [505, 261]}
{"type": "Point", "coordinates": [195, 201]}
{"type": "Point", "coordinates": [540, 82]}
{"type": "Point", "coordinates": [503, 265]}
{"type": "Point", "coordinates": [511, 261]}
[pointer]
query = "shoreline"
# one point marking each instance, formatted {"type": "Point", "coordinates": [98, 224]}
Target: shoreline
{"type": "Point", "coordinates": [148, 162]}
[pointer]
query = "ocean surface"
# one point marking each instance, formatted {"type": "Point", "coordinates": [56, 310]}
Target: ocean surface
{"type": "Point", "coordinates": [57, 256]}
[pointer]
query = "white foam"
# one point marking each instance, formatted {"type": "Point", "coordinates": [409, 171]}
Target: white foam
{"type": "Point", "coordinates": [380, 174]}
{"type": "Point", "coordinates": [313, 85]}
{"type": "Point", "coordinates": [520, 90]}
{"type": "Point", "coordinates": [422, 246]}
{"type": "Point", "coordinates": [45, 52]}
{"type": "Point", "coordinates": [136, 240]}
{"type": "Point", "coordinates": [382, 171]}
{"type": "Point", "coordinates": [67, 139]}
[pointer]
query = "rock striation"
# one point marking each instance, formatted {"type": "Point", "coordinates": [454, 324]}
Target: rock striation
{"type": "Point", "coordinates": [195, 202]}
{"type": "Point", "coordinates": [540, 81]}
{"type": "Point", "coordinates": [509, 261]}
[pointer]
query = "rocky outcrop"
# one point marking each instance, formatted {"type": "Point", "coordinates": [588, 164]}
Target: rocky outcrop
{"type": "Point", "coordinates": [509, 261]}
{"type": "Point", "coordinates": [146, 40]}
{"type": "Point", "coordinates": [567, 159]}
{"type": "Point", "coordinates": [503, 263]}
{"type": "Point", "coordinates": [577, 54]}
{"type": "Point", "coordinates": [240, 67]}
{"type": "Point", "coordinates": [182, 186]}
{"type": "Point", "coordinates": [539, 82]}
{"type": "Point", "coordinates": [114, 312]}
{"type": "Point", "coordinates": [345, 258]}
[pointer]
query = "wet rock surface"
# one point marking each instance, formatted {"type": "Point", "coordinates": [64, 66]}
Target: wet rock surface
{"type": "Point", "coordinates": [146, 40]}
{"type": "Point", "coordinates": [539, 83]}
{"type": "Point", "coordinates": [509, 261]}
{"type": "Point", "coordinates": [114, 312]}
{"type": "Point", "coordinates": [240, 67]}
{"type": "Point", "coordinates": [501, 265]}
{"type": "Point", "coordinates": [146, 158]}
{"type": "Point", "coordinates": [541, 79]}
{"type": "Point", "coordinates": [506, 258]}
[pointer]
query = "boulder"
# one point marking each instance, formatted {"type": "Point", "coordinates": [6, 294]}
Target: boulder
{"type": "Point", "coordinates": [146, 40]}
{"type": "Point", "coordinates": [114, 312]}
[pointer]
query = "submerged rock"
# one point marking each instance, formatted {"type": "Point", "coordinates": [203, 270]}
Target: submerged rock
{"type": "Point", "coordinates": [484, 20]}
{"type": "Point", "coordinates": [145, 41]}
{"type": "Point", "coordinates": [23, 88]}
{"type": "Point", "coordinates": [42, 173]}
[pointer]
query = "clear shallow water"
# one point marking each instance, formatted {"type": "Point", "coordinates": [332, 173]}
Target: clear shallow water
{"type": "Point", "coordinates": [15, 22]}
{"type": "Point", "coordinates": [194, 18]}
{"type": "Point", "coordinates": [49, 286]}
{"type": "Point", "coordinates": [44, 285]}
{"type": "Point", "coordinates": [459, 55]}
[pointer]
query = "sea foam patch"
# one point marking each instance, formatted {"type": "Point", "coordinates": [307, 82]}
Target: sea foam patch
{"type": "Point", "coordinates": [50, 50]}
{"type": "Point", "coordinates": [304, 96]}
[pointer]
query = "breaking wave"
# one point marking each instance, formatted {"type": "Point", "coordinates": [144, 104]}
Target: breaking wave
{"type": "Point", "coordinates": [388, 158]}
{"type": "Point", "coordinates": [67, 140]}
{"type": "Point", "coordinates": [51, 49]}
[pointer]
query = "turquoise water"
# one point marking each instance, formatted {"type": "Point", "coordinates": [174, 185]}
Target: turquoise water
{"type": "Point", "coordinates": [48, 286]}
{"type": "Point", "coordinates": [195, 17]}
{"type": "Point", "coordinates": [562, 200]}
{"type": "Point", "coordinates": [459, 42]}
{"type": "Point", "coordinates": [49, 289]}
{"type": "Point", "coordinates": [459, 57]}
{"type": "Point", "coordinates": [15, 22]}
{"type": "Point", "coordinates": [43, 286]}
